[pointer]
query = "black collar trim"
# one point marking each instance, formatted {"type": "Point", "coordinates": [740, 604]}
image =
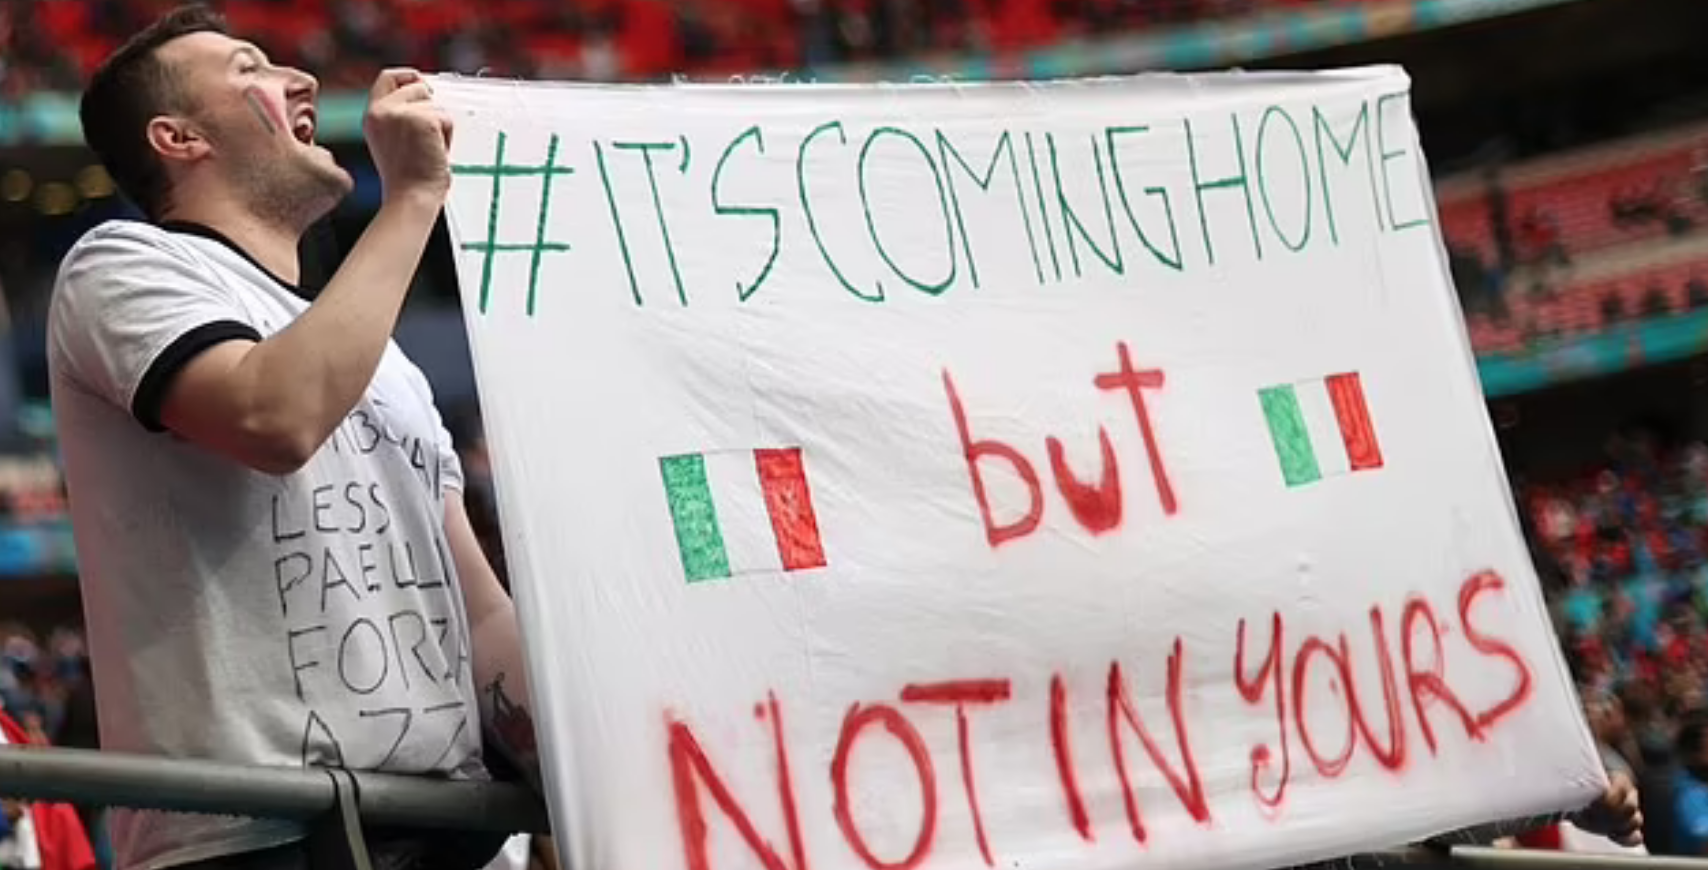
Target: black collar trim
{"type": "Point", "coordinates": [192, 228]}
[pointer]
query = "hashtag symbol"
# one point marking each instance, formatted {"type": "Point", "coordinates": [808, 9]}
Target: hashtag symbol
{"type": "Point", "coordinates": [490, 248]}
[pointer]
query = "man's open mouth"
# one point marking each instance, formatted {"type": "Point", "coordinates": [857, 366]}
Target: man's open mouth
{"type": "Point", "coordinates": [303, 127]}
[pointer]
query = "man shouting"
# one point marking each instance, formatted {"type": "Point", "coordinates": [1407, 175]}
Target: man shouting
{"type": "Point", "coordinates": [277, 565]}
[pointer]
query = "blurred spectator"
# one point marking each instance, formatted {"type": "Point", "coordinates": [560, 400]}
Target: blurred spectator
{"type": "Point", "coordinates": [1691, 787]}
{"type": "Point", "coordinates": [79, 728]}
{"type": "Point", "coordinates": [1479, 287]}
{"type": "Point", "coordinates": [1695, 291]}
{"type": "Point", "coordinates": [1637, 207]}
{"type": "Point", "coordinates": [44, 701]}
{"type": "Point", "coordinates": [1656, 303]}
{"type": "Point", "coordinates": [41, 836]}
{"type": "Point", "coordinates": [41, 688]}
{"type": "Point", "coordinates": [1540, 240]}
{"type": "Point", "coordinates": [1652, 737]}
{"type": "Point", "coordinates": [1497, 201]}
{"type": "Point", "coordinates": [1612, 308]}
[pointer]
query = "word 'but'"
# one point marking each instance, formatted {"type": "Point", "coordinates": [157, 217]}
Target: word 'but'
{"type": "Point", "coordinates": [1098, 508]}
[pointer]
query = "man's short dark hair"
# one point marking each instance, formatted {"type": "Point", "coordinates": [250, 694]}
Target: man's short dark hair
{"type": "Point", "coordinates": [130, 89]}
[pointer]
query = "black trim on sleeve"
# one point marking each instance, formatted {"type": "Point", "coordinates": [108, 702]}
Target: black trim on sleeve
{"type": "Point", "coordinates": [151, 390]}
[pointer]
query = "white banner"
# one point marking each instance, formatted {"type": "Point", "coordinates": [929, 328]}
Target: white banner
{"type": "Point", "coordinates": [1084, 475]}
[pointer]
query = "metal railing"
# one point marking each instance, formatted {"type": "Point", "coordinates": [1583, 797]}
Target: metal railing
{"type": "Point", "coordinates": [336, 804]}
{"type": "Point", "coordinates": [1525, 859]}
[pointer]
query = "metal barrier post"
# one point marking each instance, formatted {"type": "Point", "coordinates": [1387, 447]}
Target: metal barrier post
{"type": "Point", "coordinates": [335, 840]}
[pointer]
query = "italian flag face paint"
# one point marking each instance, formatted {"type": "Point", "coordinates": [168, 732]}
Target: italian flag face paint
{"type": "Point", "coordinates": [739, 512]}
{"type": "Point", "coordinates": [1321, 428]}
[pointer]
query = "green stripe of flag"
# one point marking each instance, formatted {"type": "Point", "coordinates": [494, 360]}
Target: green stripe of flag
{"type": "Point", "coordinates": [1292, 439]}
{"type": "Point", "coordinates": [697, 533]}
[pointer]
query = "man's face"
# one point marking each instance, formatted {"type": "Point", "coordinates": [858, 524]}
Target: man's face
{"type": "Point", "coordinates": [260, 122]}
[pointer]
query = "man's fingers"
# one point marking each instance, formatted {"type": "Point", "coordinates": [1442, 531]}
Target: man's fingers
{"type": "Point", "coordinates": [392, 80]}
{"type": "Point", "coordinates": [429, 113]}
{"type": "Point", "coordinates": [415, 92]}
{"type": "Point", "coordinates": [447, 127]}
{"type": "Point", "coordinates": [1621, 793]}
{"type": "Point", "coordinates": [1631, 838]}
{"type": "Point", "coordinates": [1629, 815]}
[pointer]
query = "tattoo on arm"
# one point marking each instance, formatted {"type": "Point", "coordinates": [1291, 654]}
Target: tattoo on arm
{"type": "Point", "coordinates": [511, 721]}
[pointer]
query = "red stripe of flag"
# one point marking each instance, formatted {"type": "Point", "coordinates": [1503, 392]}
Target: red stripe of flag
{"type": "Point", "coordinates": [1347, 393]}
{"type": "Point", "coordinates": [782, 475]}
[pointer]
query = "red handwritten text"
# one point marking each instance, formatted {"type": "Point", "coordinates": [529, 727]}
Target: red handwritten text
{"type": "Point", "coordinates": [1425, 686]}
{"type": "Point", "coordinates": [1282, 680]}
{"type": "Point", "coordinates": [961, 693]}
{"type": "Point", "coordinates": [1098, 508]}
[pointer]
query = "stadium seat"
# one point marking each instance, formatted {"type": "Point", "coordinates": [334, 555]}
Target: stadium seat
{"type": "Point", "coordinates": [749, 35]}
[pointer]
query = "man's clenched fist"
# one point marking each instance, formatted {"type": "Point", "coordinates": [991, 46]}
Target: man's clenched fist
{"type": "Point", "coordinates": [409, 136]}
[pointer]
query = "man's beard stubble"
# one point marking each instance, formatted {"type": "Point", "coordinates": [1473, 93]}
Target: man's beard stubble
{"type": "Point", "coordinates": [293, 190]}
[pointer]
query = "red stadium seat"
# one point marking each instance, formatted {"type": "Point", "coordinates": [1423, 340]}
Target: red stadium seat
{"type": "Point", "coordinates": [64, 20]}
{"type": "Point", "coordinates": [749, 35]}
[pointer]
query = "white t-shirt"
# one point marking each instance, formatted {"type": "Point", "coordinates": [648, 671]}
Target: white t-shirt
{"type": "Point", "coordinates": [312, 618]}
{"type": "Point", "coordinates": [515, 855]}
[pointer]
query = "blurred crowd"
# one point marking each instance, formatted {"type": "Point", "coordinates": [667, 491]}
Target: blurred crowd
{"type": "Point", "coordinates": [1623, 553]}
{"type": "Point", "coordinates": [44, 686]}
{"type": "Point", "coordinates": [47, 699]}
{"type": "Point", "coordinates": [52, 44]}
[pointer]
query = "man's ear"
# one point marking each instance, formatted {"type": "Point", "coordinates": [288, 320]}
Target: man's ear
{"type": "Point", "coordinates": [175, 138]}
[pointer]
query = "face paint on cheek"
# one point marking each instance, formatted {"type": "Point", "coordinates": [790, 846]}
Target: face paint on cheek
{"type": "Point", "coordinates": [265, 112]}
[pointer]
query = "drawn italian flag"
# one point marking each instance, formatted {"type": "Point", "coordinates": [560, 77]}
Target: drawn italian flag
{"type": "Point", "coordinates": [742, 512]}
{"type": "Point", "coordinates": [1321, 428]}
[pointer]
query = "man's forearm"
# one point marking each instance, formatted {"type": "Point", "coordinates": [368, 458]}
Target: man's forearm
{"type": "Point", "coordinates": [306, 378]}
{"type": "Point", "coordinates": [506, 707]}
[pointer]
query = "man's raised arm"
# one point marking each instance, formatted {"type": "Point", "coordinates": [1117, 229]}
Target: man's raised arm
{"type": "Point", "coordinates": [271, 404]}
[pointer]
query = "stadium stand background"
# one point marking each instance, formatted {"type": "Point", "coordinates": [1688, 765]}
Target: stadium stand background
{"type": "Point", "coordinates": [1569, 140]}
